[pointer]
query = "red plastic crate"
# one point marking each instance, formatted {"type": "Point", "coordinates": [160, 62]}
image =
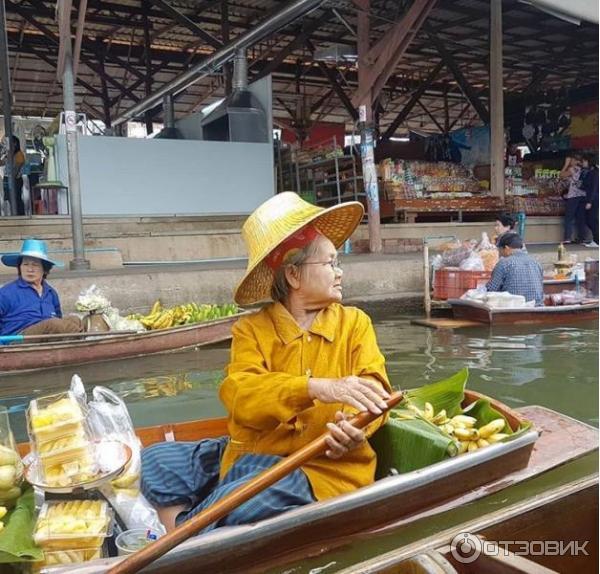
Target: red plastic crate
{"type": "Point", "coordinates": [452, 283]}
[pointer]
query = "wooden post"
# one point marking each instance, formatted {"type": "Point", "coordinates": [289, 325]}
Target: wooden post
{"type": "Point", "coordinates": [426, 283]}
{"type": "Point", "coordinates": [496, 100]}
{"type": "Point", "coordinates": [367, 146]}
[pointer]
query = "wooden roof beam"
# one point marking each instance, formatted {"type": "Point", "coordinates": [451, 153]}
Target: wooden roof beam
{"type": "Point", "coordinates": [382, 59]}
{"type": "Point", "coordinates": [297, 42]}
{"type": "Point", "coordinates": [391, 130]}
{"type": "Point", "coordinates": [466, 88]}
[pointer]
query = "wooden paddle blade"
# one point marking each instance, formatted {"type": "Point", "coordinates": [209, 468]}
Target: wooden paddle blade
{"type": "Point", "coordinates": [223, 507]}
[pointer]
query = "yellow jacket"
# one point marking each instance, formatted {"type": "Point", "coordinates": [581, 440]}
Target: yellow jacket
{"type": "Point", "coordinates": [266, 389]}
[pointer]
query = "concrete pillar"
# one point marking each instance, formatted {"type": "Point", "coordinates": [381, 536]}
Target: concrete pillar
{"type": "Point", "coordinates": [79, 261]}
{"type": "Point", "coordinates": [496, 100]}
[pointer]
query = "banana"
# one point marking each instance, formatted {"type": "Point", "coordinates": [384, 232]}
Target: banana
{"type": "Point", "coordinates": [464, 421]}
{"type": "Point", "coordinates": [440, 418]}
{"type": "Point", "coordinates": [496, 437]}
{"type": "Point", "coordinates": [472, 446]}
{"type": "Point", "coordinates": [482, 443]}
{"type": "Point", "coordinates": [157, 307]}
{"type": "Point", "coordinates": [415, 409]}
{"type": "Point", "coordinates": [466, 434]}
{"type": "Point", "coordinates": [462, 446]}
{"type": "Point", "coordinates": [125, 481]}
{"type": "Point", "coordinates": [428, 412]}
{"type": "Point", "coordinates": [494, 427]}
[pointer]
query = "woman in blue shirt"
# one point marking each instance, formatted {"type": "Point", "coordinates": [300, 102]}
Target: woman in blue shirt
{"type": "Point", "coordinates": [29, 305]}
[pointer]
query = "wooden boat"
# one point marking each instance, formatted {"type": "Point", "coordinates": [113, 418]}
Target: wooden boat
{"type": "Point", "coordinates": [552, 286]}
{"type": "Point", "coordinates": [566, 515]}
{"type": "Point", "coordinates": [76, 352]}
{"type": "Point", "coordinates": [392, 501]}
{"type": "Point", "coordinates": [481, 313]}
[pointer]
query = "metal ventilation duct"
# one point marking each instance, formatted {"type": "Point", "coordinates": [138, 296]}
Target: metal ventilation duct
{"type": "Point", "coordinates": [293, 11]}
{"type": "Point", "coordinates": [240, 117]}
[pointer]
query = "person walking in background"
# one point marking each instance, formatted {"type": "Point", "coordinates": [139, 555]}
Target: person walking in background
{"type": "Point", "coordinates": [574, 196]}
{"type": "Point", "coordinates": [590, 186]}
{"type": "Point", "coordinates": [18, 163]}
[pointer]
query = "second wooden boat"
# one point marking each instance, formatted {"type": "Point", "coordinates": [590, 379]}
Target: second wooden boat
{"type": "Point", "coordinates": [76, 352]}
{"type": "Point", "coordinates": [474, 311]}
{"type": "Point", "coordinates": [556, 531]}
{"type": "Point", "coordinates": [388, 503]}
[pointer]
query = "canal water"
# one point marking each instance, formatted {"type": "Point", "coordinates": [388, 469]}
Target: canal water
{"type": "Point", "coordinates": [554, 366]}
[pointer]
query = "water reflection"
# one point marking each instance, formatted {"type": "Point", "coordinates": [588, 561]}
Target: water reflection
{"type": "Point", "coordinates": [555, 367]}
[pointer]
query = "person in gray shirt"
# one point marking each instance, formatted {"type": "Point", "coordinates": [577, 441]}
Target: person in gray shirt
{"type": "Point", "coordinates": [517, 272]}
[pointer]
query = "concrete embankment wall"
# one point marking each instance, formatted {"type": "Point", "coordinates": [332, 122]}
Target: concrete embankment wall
{"type": "Point", "coordinates": [135, 288]}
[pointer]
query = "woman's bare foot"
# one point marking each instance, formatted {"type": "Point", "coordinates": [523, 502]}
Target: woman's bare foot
{"type": "Point", "coordinates": [168, 514]}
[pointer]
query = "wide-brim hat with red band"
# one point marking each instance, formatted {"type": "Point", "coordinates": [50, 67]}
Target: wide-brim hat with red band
{"type": "Point", "coordinates": [275, 221]}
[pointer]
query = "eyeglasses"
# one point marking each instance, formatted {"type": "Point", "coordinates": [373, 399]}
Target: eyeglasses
{"type": "Point", "coordinates": [334, 264]}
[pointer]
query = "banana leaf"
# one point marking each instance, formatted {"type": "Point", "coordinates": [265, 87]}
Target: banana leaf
{"type": "Point", "coordinates": [406, 442]}
{"type": "Point", "coordinates": [16, 539]}
{"type": "Point", "coordinates": [447, 394]}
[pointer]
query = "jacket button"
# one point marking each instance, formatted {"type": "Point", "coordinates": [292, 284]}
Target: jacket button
{"type": "Point", "coordinates": [309, 338]}
{"type": "Point", "coordinates": [308, 372]}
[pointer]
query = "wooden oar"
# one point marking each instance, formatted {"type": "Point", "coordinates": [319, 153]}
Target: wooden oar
{"type": "Point", "coordinates": [24, 338]}
{"type": "Point", "coordinates": [152, 552]}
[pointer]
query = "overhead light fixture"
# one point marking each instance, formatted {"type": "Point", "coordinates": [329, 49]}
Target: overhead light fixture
{"type": "Point", "coordinates": [336, 53]}
{"type": "Point", "coordinates": [400, 139]}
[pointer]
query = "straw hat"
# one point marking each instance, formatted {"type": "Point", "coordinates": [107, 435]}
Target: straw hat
{"type": "Point", "coordinates": [279, 218]}
{"type": "Point", "coordinates": [31, 248]}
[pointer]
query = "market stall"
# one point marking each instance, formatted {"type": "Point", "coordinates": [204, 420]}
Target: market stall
{"type": "Point", "coordinates": [441, 188]}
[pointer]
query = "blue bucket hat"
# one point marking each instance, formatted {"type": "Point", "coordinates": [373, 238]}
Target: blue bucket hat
{"type": "Point", "coordinates": [31, 248]}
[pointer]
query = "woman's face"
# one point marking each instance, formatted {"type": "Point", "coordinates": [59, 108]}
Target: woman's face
{"type": "Point", "coordinates": [32, 270]}
{"type": "Point", "coordinates": [500, 228]}
{"type": "Point", "coordinates": [320, 278]}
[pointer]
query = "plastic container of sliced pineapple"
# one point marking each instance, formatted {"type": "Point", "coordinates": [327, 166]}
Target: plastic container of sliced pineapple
{"type": "Point", "coordinates": [67, 449]}
{"type": "Point", "coordinates": [54, 416]}
{"type": "Point", "coordinates": [67, 557]}
{"type": "Point", "coordinates": [73, 525]}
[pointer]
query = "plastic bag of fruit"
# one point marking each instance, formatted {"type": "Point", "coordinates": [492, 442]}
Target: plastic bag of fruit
{"type": "Point", "coordinates": [109, 418]}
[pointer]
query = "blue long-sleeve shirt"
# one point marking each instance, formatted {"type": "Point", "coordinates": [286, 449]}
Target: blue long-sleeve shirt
{"type": "Point", "coordinates": [21, 306]}
{"type": "Point", "coordinates": [519, 274]}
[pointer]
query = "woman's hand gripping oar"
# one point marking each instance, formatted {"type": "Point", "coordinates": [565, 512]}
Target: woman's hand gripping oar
{"type": "Point", "coordinates": [222, 507]}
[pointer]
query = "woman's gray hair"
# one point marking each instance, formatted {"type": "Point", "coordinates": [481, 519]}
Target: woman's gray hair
{"type": "Point", "coordinates": [281, 288]}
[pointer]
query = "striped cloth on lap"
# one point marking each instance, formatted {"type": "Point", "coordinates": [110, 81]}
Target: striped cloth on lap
{"type": "Point", "coordinates": [188, 473]}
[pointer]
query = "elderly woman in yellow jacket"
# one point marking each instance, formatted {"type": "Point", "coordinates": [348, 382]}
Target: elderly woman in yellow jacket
{"type": "Point", "coordinates": [301, 364]}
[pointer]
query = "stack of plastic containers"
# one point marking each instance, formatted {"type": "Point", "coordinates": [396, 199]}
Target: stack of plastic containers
{"type": "Point", "coordinates": [60, 439]}
{"type": "Point", "coordinates": [73, 531]}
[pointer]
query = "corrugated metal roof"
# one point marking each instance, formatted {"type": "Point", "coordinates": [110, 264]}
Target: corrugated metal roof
{"type": "Point", "coordinates": [533, 40]}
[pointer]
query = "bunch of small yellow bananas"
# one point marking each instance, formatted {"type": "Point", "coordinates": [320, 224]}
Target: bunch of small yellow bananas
{"type": "Point", "coordinates": [163, 318]}
{"type": "Point", "coordinates": [462, 428]}
{"type": "Point", "coordinates": [3, 511]}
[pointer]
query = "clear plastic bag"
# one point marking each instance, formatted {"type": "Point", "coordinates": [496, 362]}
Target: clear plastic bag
{"type": "Point", "coordinates": [454, 257]}
{"type": "Point", "coordinates": [109, 418]}
{"type": "Point", "coordinates": [472, 263]}
{"type": "Point", "coordinates": [118, 323]}
{"type": "Point", "coordinates": [92, 299]}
